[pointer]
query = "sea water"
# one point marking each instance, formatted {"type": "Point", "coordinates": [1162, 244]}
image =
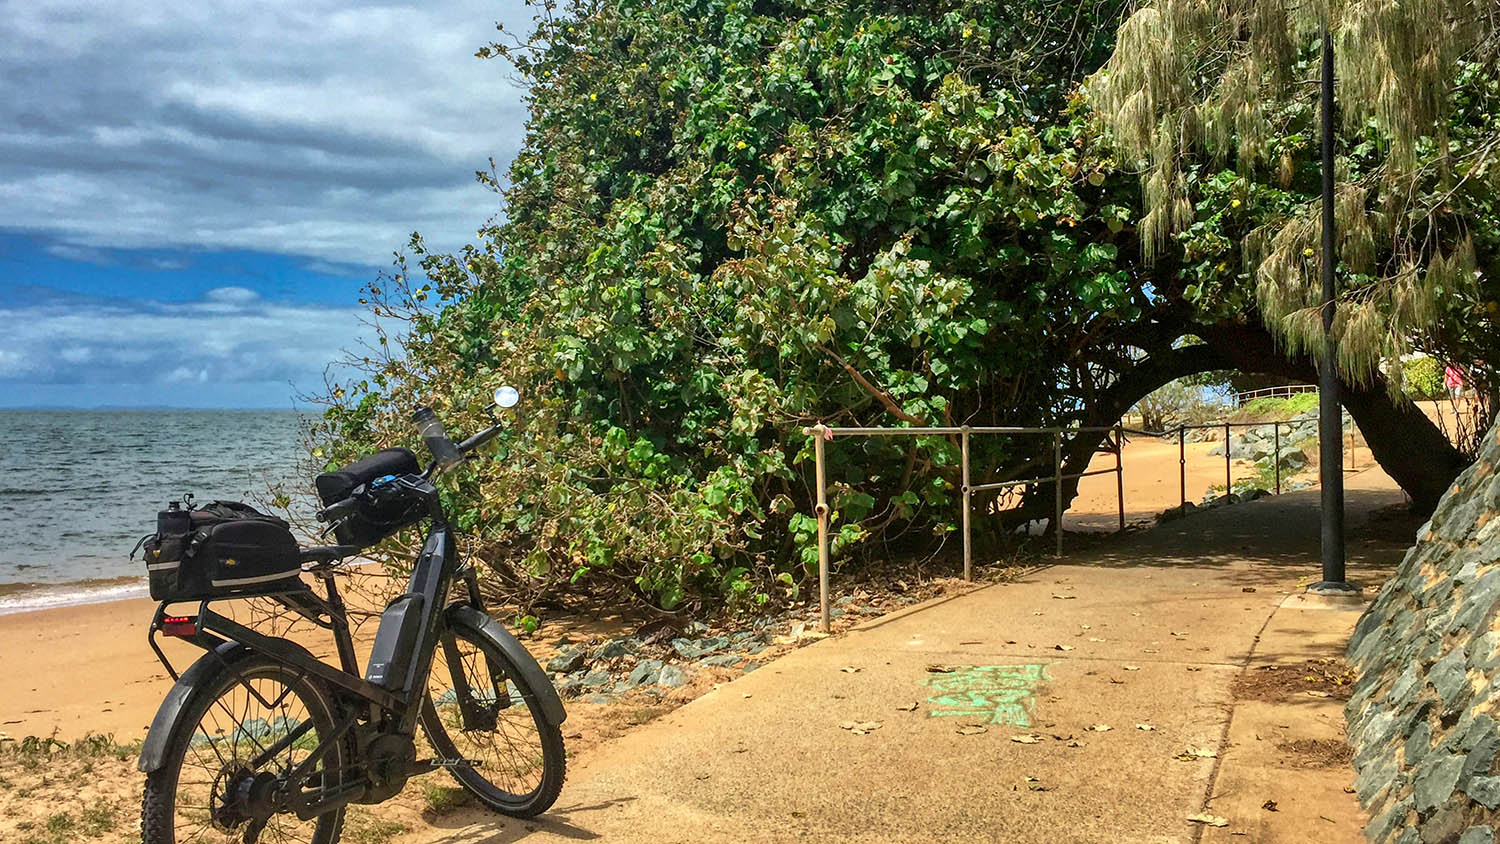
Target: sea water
{"type": "Point", "coordinates": [79, 488]}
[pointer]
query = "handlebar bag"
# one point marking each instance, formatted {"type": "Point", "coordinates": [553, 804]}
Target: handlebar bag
{"type": "Point", "coordinates": [377, 516]}
{"type": "Point", "coordinates": [220, 550]}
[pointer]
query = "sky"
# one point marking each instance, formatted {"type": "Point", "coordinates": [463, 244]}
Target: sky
{"type": "Point", "coordinates": [192, 194]}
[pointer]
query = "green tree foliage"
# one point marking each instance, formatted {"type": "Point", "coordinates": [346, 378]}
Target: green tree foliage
{"type": "Point", "coordinates": [1219, 103]}
{"type": "Point", "coordinates": [733, 219]}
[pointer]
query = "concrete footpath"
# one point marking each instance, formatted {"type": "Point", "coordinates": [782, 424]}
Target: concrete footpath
{"type": "Point", "coordinates": [1100, 699]}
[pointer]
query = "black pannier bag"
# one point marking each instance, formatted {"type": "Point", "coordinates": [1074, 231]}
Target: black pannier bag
{"type": "Point", "coordinates": [375, 519]}
{"type": "Point", "coordinates": [218, 550]}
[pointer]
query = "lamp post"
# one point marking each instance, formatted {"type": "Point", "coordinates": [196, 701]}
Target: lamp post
{"type": "Point", "coordinates": [1330, 414]}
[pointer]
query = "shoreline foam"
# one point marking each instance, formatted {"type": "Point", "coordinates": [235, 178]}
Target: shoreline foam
{"type": "Point", "coordinates": [27, 597]}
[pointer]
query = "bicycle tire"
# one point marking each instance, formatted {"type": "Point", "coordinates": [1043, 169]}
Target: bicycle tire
{"type": "Point", "coordinates": [549, 743]}
{"type": "Point", "coordinates": [159, 804]}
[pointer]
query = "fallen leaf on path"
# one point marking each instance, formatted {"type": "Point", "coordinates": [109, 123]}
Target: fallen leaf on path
{"type": "Point", "coordinates": [1035, 784]}
{"type": "Point", "coordinates": [1038, 612]}
{"type": "Point", "coordinates": [1131, 667]}
{"type": "Point", "coordinates": [1176, 633]}
{"type": "Point", "coordinates": [972, 642]}
{"type": "Point", "coordinates": [747, 694]}
{"type": "Point", "coordinates": [1099, 728]}
{"type": "Point", "coordinates": [700, 776]}
{"type": "Point", "coordinates": [1029, 738]}
{"type": "Point", "coordinates": [908, 707]}
{"type": "Point", "coordinates": [1084, 626]}
{"type": "Point", "coordinates": [1194, 668]}
{"type": "Point", "coordinates": [1208, 820]}
{"type": "Point", "coordinates": [849, 669]}
{"type": "Point", "coordinates": [940, 669]}
{"type": "Point", "coordinates": [860, 728]}
{"type": "Point", "coordinates": [1147, 727]}
{"type": "Point", "coordinates": [1064, 597]}
{"type": "Point", "coordinates": [971, 730]}
{"type": "Point", "coordinates": [1269, 805]}
{"type": "Point", "coordinates": [1095, 639]}
{"type": "Point", "coordinates": [1247, 588]}
{"type": "Point", "coordinates": [1075, 743]}
{"type": "Point", "coordinates": [1196, 753]}
{"type": "Point", "coordinates": [1316, 693]}
{"type": "Point", "coordinates": [1116, 681]}
{"type": "Point", "coordinates": [1063, 647]}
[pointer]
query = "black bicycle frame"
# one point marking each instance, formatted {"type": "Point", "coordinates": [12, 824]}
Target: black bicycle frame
{"type": "Point", "coordinates": [432, 578]}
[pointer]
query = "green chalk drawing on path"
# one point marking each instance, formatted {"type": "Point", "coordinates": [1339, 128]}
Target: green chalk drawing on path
{"type": "Point", "coordinates": [999, 694]}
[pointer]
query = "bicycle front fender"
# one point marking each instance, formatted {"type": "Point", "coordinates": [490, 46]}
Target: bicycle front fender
{"type": "Point", "coordinates": [463, 615]}
{"type": "Point", "coordinates": [154, 750]}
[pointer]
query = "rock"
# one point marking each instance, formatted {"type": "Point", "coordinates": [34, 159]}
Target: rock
{"type": "Point", "coordinates": [723, 660]}
{"type": "Point", "coordinates": [613, 649]}
{"type": "Point", "coordinates": [599, 699]}
{"type": "Point", "coordinates": [1485, 790]}
{"type": "Point", "coordinates": [1435, 780]}
{"type": "Point", "coordinates": [750, 666]}
{"type": "Point", "coordinates": [567, 660]}
{"type": "Point", "coordinates": [1449, 679]}
{"type": "Point", "coordinates": [1418, 744]}
{"type": "Point", "coordinates": [1477, 835]}
{"type": "Point", "coordinates": [695, 648]}
{"type": "Point", "coordinates": [645, 672]}
{"type": "Point", "coordinates": [672, 676]}
{"type": "Point", "coordinates": [1393, 818]}
{"type": "Point", "coordinates": [695, 628]}
{"type": "Point", "coordinates": [842, 600]}
{"type": "Point", "coordinates": [596, 680]}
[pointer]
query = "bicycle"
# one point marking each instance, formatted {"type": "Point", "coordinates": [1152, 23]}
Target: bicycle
{"type": "Point", "coordinates": [261, 740]}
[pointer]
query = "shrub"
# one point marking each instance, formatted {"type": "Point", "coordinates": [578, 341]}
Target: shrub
{"type": "Point", "coordinates": [1422, 378]}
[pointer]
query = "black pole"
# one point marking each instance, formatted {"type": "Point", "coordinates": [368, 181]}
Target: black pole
{"type": "Point", "coordinates": [1330, 414]}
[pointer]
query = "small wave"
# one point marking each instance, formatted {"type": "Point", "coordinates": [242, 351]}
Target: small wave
{"type": "Point", "coordinates": [24, 597]}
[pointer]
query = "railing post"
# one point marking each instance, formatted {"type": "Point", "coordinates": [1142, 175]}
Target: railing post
{"type": "Point", "coordinates": [1182, 460]}
{"type": "Point", "coordinates": [968, 547]}
{"type": "Point", "coordinates": [1276, 458]}
{"type": "Point", "coordinates": [1228, 470]}
{"type": "Point", "coordinates": [819, 433]}
{"type": "Point", "coordinates": [1120, 471]}
{"type": "Point", "coordinates": [1057, 474]}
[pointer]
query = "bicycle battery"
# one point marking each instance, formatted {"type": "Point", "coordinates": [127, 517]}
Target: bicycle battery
{"type": "Point", "coordinates": [395, 642]}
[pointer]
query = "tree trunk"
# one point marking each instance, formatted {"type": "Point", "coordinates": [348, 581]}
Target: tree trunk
{"type": "Point", "coordinates": [1406, 444]}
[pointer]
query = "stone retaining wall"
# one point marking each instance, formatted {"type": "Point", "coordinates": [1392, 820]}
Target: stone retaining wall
{"type": "Point", "coordinates": [1423, 719]}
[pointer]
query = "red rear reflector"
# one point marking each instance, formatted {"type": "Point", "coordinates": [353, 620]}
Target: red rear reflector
{"type": "Point", "coordinates": [182, 626]}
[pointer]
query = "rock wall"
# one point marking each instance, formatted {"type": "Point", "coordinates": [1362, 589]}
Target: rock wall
{"type": "Point", "coordinates": [1423, 719]}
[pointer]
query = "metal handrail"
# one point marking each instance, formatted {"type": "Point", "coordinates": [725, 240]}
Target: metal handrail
{"type": "Point", "coordinates": [822, 433]}
{"type": "Point", "coordinates": [1265, 392]}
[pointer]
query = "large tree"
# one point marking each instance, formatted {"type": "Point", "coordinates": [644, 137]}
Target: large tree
{"type": "Point", "coordinates": [730, 220]}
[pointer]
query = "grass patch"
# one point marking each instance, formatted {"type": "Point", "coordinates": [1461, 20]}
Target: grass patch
{"type": "Point", "coordinates": [442, 799]}
{"type": "Point", "coordinates": [361, 827]}
{"type": "Point", "coordinates": [1271, 409]}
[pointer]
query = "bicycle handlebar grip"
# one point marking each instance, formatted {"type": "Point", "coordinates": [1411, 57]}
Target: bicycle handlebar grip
{"type": "Point", "coordinates": [431, 428]}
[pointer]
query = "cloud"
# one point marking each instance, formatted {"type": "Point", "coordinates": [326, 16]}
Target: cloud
{"type": "Point", "coordinates": [83, 347]}
{"type": "Point", "coordinates": [330, 130]}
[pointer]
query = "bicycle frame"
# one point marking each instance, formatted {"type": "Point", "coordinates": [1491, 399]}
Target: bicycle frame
{"type": "Point", "coordinates": [383, 711]}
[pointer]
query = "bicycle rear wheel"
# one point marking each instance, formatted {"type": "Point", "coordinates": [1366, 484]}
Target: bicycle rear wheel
{"type": "Point", "coordinates": [481, 710]}
{"type": "Point", "coordinates": [220, 774]}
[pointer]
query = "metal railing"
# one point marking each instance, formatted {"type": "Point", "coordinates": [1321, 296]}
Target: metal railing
{"type": "Point", "coordinates": [823, 434]}
{"type": "Point", "coordinates": [1284, 391]}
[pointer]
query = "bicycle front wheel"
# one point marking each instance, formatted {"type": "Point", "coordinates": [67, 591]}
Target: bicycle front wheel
{"type": "Point", "coordinates": [244, 729]}
{"type": "Point", "coordinates": [480, 710]}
